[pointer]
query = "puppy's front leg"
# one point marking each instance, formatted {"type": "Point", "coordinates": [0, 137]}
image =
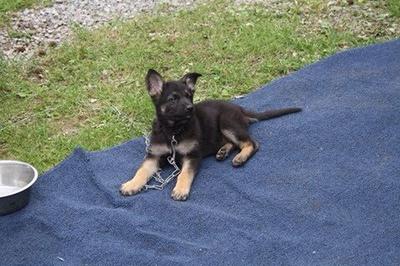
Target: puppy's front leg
{"type": "Point", "coordinates": [142, 176]}
{"type": "Point", "coordinates": [185, 179]}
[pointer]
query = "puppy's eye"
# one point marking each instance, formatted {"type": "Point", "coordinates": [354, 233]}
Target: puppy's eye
{"type": "Point", "coordinates": [172, 98]}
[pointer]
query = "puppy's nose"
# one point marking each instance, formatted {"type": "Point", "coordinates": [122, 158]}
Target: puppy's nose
{"type": "Point", "coordinates": [189, 107]}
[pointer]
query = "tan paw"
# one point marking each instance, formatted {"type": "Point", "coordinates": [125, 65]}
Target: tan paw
{"type": "Point", "coordinates": [129, 188]}
{"type": "Point", "coordinates": [238, 160]}
{"type": "Point", "coordinates": [180, 194]}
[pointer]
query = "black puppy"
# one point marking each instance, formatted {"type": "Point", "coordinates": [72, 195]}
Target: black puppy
{"type": "Point", "coordinates": [208, 127]}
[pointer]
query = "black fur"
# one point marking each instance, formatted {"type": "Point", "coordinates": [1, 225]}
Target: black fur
{"type": "Point", "coordinates": [206, 128]}
{"type": "Point", "coordinates": [205, 121]}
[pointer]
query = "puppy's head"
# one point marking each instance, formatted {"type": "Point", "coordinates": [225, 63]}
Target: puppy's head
{"type": "Point", "coordinates": [173, 99]}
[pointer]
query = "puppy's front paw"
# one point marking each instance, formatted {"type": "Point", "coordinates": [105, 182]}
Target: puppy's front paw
{"type": "Point", "coordinates": [180, 194]}
{"type": "Point", "coordinates": [129, 188]}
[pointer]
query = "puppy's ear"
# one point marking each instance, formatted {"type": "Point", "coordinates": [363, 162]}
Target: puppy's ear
{"type": "Point", "coordinates": [190, 79]}
{"type": "Point", "coordinates": [154, 83]}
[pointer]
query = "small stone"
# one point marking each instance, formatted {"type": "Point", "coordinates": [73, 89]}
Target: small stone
{"type": "Point", "coordinates": [52, 43]}
{"type": "Point", "coordinates": [41, 52]}
{"type": "Point", "coordinates": [20, 49]}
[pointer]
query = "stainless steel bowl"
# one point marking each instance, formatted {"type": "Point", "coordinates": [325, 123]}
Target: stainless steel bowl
{"type": "Point", "coordinates": [16, 179]}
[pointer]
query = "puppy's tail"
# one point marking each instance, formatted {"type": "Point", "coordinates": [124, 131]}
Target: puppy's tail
{"type": "Point", "coordinates": [254, 116]}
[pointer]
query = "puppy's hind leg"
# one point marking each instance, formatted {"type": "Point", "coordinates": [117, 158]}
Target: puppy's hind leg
{"type": "Point", "coordinates": [241, 138]}
{"type": "Point", "coordinates": [247, 149]}
{"type": "Point", "coordinates": [224, 151]}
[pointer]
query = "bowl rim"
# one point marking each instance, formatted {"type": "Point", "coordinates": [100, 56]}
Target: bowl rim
{"type": "Point", "coordinates": [35, 177]}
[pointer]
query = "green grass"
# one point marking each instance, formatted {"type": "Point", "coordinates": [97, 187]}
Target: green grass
{"type": "Point", "coordinates": [90, 91]}
{"type": "Point", "coordinates": [394, 7]}
{"type": "Point", "coordinates": [8, 6]}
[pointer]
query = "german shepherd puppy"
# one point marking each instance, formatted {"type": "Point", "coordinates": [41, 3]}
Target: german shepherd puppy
{"type": "Point", "coordinates": [202, 129]}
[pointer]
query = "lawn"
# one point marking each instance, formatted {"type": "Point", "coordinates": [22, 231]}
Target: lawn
{"type": "Point", "coordinates": [394, 7]}
{"type": "Point", "coordinates": [90, 91]}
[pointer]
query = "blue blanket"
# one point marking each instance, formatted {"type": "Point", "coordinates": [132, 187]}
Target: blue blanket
{"type": "Point", "coordinates": [324, 188]}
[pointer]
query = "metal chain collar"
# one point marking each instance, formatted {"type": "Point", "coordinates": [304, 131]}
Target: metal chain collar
{"type": "Point", "coordinates": [171, 160]}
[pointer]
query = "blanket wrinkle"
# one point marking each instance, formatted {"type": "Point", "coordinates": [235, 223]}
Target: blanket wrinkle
{"type": "Point", "coordinates": [169, 238]}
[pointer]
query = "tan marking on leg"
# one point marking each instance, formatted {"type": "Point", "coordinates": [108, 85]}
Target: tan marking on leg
{"type": "Point", "coordinates": [142, 176]}
{"type": "Point", "coordinates": [246, 151]}
{"type": "Point", "coordinates": [228, 146]}
{"type": "Point", "coordinates": [230, 135]}
{"type": "Point", "coordinates": [184, 182]}
{"type": "Point", "coordinates": [224, 151]}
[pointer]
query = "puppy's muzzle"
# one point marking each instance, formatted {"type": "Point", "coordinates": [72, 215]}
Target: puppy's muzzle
{"type": "Point", "coordinates": [189, 108]}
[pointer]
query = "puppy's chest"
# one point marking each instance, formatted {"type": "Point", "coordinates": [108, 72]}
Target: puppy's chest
{"type": "Point", "coordinates": [183, 148]}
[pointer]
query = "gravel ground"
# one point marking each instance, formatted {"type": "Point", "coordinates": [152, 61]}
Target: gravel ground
{"type": "Point", "coordinates": [31, 30]}
{"type": "Point", "coordinates": [364, 19]}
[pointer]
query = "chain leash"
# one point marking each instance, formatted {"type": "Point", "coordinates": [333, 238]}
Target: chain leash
{"type": "Point", "coordinates": [171, 160]}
